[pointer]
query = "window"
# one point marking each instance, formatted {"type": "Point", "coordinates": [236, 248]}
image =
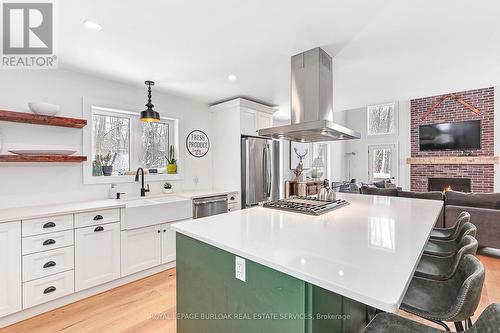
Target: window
{"type": "Point", "coordinates": [121, 141]}
{"type": "Point", "coordinates": [111, 141]}
{"type": "Point", "coordinates": [155, 143]}
{"type": "Point", "coordinates": [381, 162]}
{"type": "Point", "coordinates": [381, 119]}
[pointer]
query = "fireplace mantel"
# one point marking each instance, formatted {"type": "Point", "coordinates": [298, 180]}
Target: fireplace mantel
{"type": "Point", "coordinates": [453, 160]}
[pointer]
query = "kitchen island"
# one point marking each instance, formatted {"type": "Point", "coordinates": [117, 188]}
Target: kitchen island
{"type": "Point", "coordinates": [301, 273]}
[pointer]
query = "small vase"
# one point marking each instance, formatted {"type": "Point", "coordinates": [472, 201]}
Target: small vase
{"type": "Point", "coordinates": [168, 190]}
{"type": "Point", "coordinates": [171, 168]}
{"type": "Point", "coordinates": [107, 170]}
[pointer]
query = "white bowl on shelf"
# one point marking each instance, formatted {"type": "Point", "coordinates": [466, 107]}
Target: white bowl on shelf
{"type": "Point", "coordinates": [44, 109]}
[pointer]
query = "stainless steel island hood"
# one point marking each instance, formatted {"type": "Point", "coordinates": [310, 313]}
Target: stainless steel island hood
{"type": "Point", "coordinates": [312, 102]}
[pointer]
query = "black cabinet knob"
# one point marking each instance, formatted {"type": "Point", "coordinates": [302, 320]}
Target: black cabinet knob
{"type": "Point", "coordinates": [49, 264]}
{"type": "Point", "coordinates": [49, 290]}
{"type": "Point", "coordinates": [164, 230]}
{"type": "Point", "coordinates": [49, 225]}
{"type": "Point", "coordinates": [49, 242]}
{"type": "Point", "coordinates": [159, 231]}
{"type": "Point", "coordinates": [98, 217]}
{"type": "Point", "coordinates": [99, 228]}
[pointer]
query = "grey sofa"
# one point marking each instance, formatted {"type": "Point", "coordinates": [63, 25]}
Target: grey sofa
{"type": "Point", "coordinates": [484, 209]}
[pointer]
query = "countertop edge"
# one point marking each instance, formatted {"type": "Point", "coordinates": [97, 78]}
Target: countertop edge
{"type": "Point", "coordinates": [388, 307]}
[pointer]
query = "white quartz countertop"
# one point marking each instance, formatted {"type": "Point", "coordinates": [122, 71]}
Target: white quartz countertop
{"type": "Point", "coordinates": [30, 212]}
{"type": "Point", "coordinates": [366, 251]}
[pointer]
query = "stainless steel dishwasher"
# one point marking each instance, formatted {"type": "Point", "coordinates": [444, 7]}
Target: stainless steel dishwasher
{"type": "Point", "coordinates": [208, 206]}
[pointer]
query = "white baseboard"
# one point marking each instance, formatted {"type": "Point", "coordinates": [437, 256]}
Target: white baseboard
{"type": "Point", "coordinates": [57, 303]}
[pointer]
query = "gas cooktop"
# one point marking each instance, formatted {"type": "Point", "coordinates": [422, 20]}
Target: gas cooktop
{"type": "Point", "coordinates": [306, 205]}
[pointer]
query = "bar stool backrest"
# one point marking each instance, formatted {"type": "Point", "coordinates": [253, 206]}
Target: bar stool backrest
{"type": "Point", "coordinates": [488, 321]}
{"type": "Point", "coordinates": [468, 281]}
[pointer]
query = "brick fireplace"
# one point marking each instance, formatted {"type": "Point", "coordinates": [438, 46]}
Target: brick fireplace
{"type": "Point", "coordinates": [481, 176]}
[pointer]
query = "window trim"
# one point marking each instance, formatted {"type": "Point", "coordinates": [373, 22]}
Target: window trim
{"type": "Point", "coordinates": [88, 104]}
{"type": "Point", "coordinates": [395, 120]}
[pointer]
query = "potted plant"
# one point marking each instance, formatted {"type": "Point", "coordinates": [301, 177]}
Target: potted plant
{"type": "Point", "coordinates": [107, 162]}
{"type": "Point", "coordinates": [171, 161]}
{"type": "Point", "coordinates": [96, 166]}
{"type": "Point", "coordinates": [167, 188]}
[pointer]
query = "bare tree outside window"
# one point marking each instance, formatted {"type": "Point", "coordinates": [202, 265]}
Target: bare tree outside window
{"type": "Point", "coordinates": [112, 135]}
{"type": "Point", "coordinates": [155, 142]}
{"type": "Point", "coordinates": [382, 163]}
{"type": "Point", "coordinates": [381, 119]}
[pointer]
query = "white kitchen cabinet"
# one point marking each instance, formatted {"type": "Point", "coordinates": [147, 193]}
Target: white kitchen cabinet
{"type": "Point", "coordinates": [263, 120]}
{"type": "Point", "coordinates": [247, 120]}
{"type": "Point", "coordinates": [167, 243]}
{"type": "Point", "coordinates": [10, 272]}
{"type": "Point", "coordinates": [141, 249]}
{"type": "Point", "coordinates": [97, 255]}
{"type": "Point", "coordinates": [252, 120]}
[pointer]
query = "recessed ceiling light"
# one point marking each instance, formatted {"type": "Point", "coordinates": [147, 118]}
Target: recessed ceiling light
{"type": "Point", "coordinates": [232, 77]}
{"type": "Point", "coordinates": [92, 25]}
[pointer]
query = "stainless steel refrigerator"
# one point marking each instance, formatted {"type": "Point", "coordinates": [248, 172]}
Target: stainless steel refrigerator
{"type": "Point", "coordinates": [260, 170]}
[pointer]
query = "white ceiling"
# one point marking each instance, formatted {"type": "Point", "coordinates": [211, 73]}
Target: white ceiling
{"type": "Point", "coordinates": [383, 49]}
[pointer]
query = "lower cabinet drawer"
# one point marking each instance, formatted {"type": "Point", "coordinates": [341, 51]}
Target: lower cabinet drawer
{"type": "Point", "coordinates": [232, 207]}
{"type": "Point", "coordinates": [48, 288]}
{"type": "Point", "coordinates": [46, 242]}
{"type": "Point", "coordinates": [42, 264]}
{"type": "Point", "coordinates": [98, 217]}
{"type": "Point", "coordinates": [45, 225]}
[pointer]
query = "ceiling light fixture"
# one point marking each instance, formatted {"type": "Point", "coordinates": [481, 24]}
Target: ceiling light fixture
{"type": "Point", "coordinates": [149, 115]}
{"type": "Point", "coordinates": [92, 25]}
{"type": "Point", "coordinates": [232, 77]}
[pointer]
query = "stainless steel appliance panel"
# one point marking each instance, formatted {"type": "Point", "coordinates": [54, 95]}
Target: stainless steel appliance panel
{"type": "Point", "coordinates": [209, 206]}
{"type": "Point", "coordinates": [259, 170]}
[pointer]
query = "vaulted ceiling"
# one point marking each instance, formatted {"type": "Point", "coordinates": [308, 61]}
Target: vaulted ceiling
{"type": "Point", "coordinates": [383, 49]}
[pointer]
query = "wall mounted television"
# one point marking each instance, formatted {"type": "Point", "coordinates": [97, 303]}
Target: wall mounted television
{"type": "Point", "coordinates": [457, 135]}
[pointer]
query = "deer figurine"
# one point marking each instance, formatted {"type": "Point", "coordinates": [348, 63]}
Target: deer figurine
{"type": "Point", "coordinates": [300, 167]}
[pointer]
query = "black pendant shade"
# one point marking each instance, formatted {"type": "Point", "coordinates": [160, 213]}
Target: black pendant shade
{"type": "Point", "coordinates": [149, 115]}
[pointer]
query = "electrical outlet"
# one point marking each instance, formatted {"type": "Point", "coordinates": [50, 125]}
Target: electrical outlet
{"type": "Point", "coordinates": [240, 269]}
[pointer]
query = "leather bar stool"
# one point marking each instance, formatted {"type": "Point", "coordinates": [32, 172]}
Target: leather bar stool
{"type": "Point", "coordinates": [445, 248]}
{"type": "Point", "coordinates": [443, 268]}
{"type": "Point", "coordinates": [488, 322]}
{"type": "Point", "coordinates": [454, 300]}
{"type": "Point", "coordinates": [451, 233]}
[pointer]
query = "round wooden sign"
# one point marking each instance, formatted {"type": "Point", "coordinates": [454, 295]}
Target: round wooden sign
{"type": "Point", "coordinates": [197, 143]}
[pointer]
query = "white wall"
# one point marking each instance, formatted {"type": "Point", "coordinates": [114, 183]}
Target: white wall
{"type": "Point", "coordinates": [357, 120]}
{"type": "Point", "coordinates": [29, 184]}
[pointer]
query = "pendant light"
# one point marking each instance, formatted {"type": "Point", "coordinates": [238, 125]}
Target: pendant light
{"type": "Point", "coordinates": [149, 115]}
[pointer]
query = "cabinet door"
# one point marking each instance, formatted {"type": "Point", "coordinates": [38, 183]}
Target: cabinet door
{"type": "Point", "coordinates": [248, 122]}
{"type": "Point", "coordinates": [167, 243]}
{"type": "Point", "coordinates": [10, 271]}
{"type": "Point", "coordinates": [141, 249]}
{"type": "Point", "coordinates": [263, 120]}
{"type": "Point", "coordinates": [97, 255]}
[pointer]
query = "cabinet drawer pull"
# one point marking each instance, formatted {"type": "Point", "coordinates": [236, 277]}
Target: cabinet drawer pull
{"type": "Point", "coordinates": [98, 217]}
{"type": "Point", "coordinates": [98, 229]}
{"type": "Point", "coordinates": [49, 264]}
{"type": "Point", "coordinates": [49, 242]}
{"type": "Point", "coordinates": [49, 290]}
{"type": "Point", "coordinates": [49, 225]}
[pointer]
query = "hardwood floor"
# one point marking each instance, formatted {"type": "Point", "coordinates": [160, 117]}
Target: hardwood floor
{"type": "Point", "coordinates": [148, 305]}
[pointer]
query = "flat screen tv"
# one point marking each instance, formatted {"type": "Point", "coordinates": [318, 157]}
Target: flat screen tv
{"type": "Point", "coordinates": [458, 136]}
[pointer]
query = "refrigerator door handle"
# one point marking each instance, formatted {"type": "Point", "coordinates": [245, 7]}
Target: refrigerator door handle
{"type": "Point", "coordinates": [267, 171]}
{"type": "Point", "coordinates": [247, 173]}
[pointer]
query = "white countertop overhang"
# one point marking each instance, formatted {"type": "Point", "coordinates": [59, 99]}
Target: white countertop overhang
{"type": "Point", "coordinates": [366, 251]}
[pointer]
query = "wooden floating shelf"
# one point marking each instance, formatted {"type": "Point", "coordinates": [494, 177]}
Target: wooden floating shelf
{"type": "Point", "coordinates": [41, 158]}
{"type": "Point", "coordinates": [31, 118]}
{"type": "Point", "coordinates": [453, 160]}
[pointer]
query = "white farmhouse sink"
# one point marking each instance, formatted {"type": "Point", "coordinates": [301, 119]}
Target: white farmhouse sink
{"type": "Point", "coordinates": [151, 211]}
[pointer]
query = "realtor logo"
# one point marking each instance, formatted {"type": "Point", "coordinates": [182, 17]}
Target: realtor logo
{"type": "Point", "coordinates": [28, 35]}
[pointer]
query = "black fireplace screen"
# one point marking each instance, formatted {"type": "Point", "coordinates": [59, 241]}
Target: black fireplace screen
{"type": "Point", "coordinates": [450, 184]}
